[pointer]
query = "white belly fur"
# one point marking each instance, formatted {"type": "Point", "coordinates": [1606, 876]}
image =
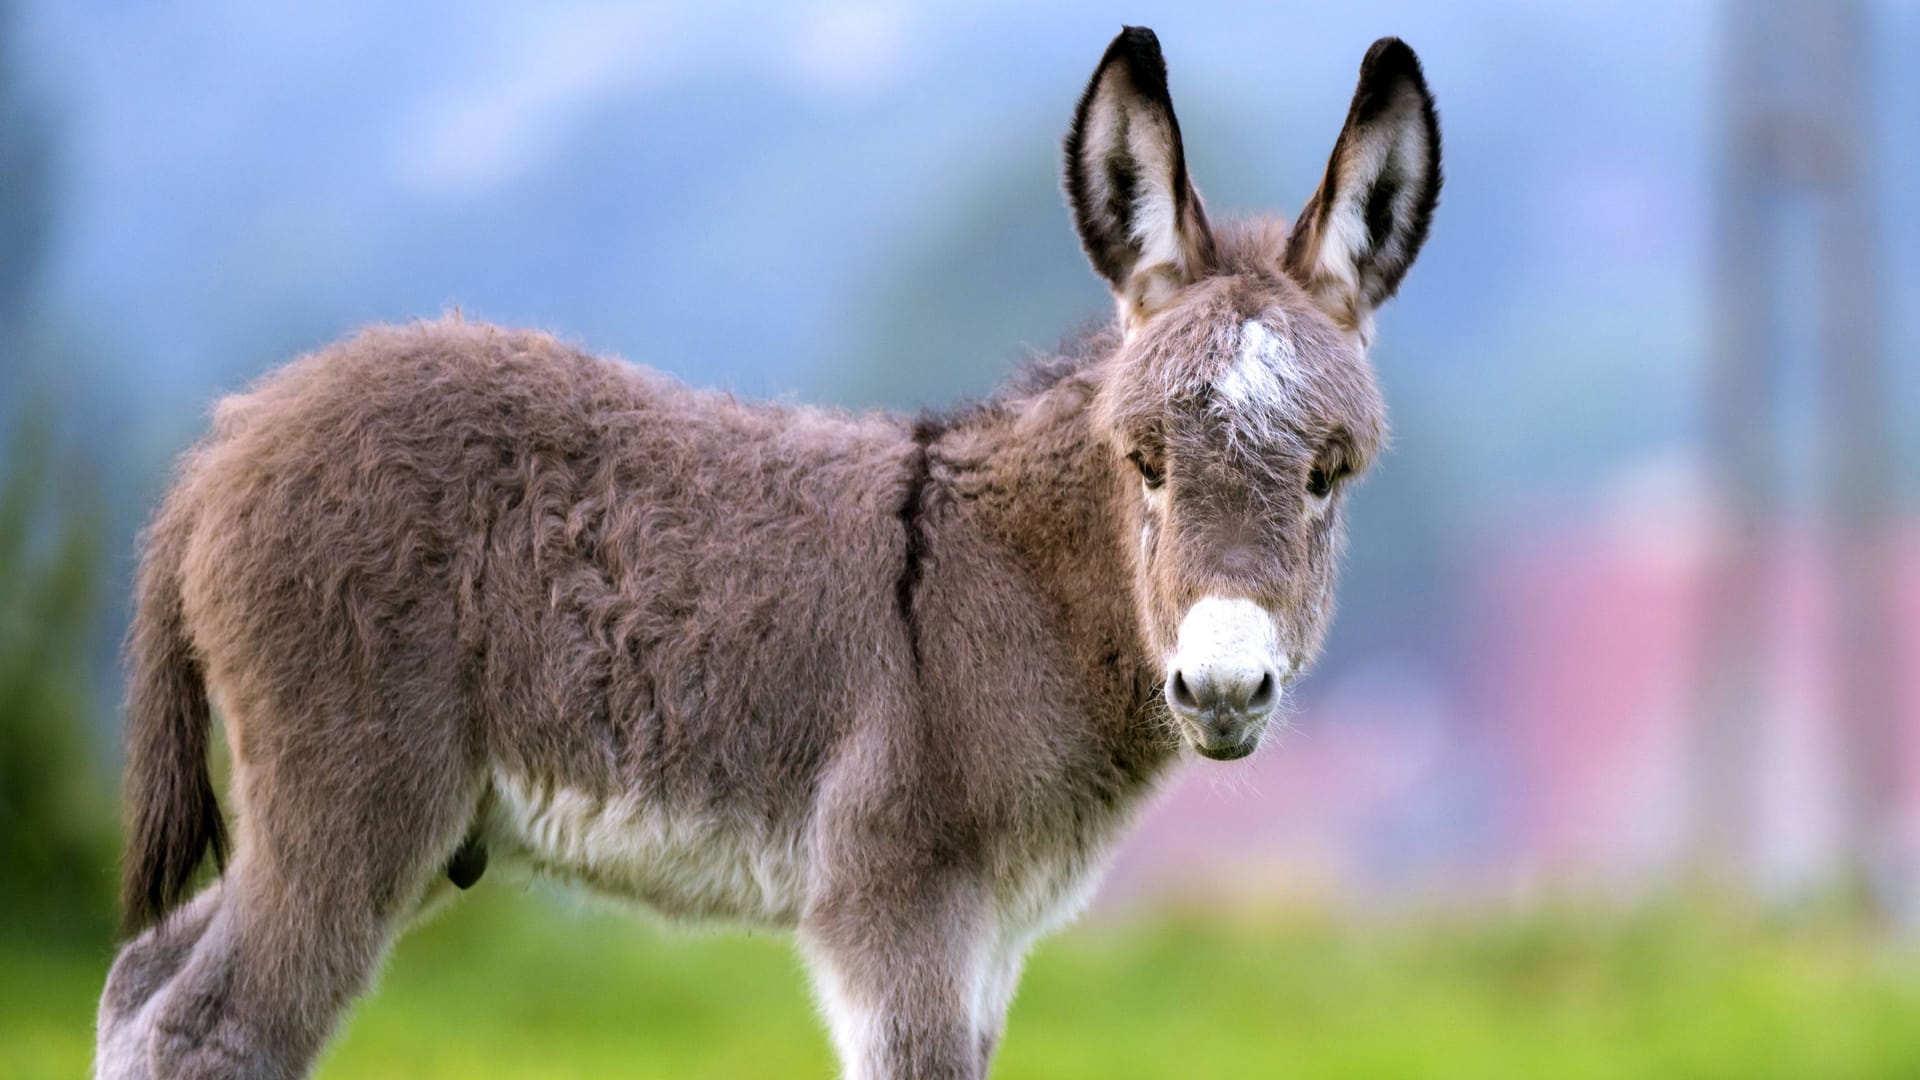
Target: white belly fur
{"type": "Point", "coordinates": [699, 866]}
{"type": "Point", "coordinates": [694, 865]}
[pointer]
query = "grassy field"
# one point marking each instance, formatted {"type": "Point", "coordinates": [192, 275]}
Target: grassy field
{"type": "Point", "coordinates": [514, 986]}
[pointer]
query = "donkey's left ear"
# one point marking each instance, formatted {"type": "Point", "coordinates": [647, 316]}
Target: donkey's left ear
{"type": "Point", "coordinates": [1139, 216]}
{"type": "Point", "coordinates": [1361, 230]}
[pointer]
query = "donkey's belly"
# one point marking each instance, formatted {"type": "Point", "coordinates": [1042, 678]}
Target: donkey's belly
{"type": "Point", "coordinates": [695, 864]}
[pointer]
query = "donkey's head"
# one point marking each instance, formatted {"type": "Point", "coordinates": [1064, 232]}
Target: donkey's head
{"type": "Point", "coordinates": [1240, 403]}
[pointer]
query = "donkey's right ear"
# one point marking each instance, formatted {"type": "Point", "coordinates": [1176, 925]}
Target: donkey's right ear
{"type": "Point", "coordinates": [1139, 217]}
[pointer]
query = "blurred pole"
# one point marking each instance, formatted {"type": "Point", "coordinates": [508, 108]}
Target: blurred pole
{"type": "Point", "coordinates": [26, 177]}
{"type": "Point", "coordinates": [1741, 371]}
{"type": "Point", "coordinates": [1857, 475]}
{"type": "Point", "coordinates": [1796, 121]}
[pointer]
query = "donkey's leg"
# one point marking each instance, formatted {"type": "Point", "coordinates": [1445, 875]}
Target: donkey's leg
{"type": "Point", "coordinates": [344, 823]}
{"type": "Point", "coordinates": [898, 977]}
{"type": "Point", "coordinates": [1001, 979]}
{"type": "Point", "coordinates": [134, 985]}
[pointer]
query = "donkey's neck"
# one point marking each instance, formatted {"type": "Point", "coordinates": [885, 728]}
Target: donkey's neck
{"type": "Point", "coordinates": [1030, 475]}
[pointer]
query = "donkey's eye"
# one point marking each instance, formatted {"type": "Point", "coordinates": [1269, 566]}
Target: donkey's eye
{"type": "Point", "coordinates": [1328, 471]}
{"type": "Point", "coordinates": [1149, 472]}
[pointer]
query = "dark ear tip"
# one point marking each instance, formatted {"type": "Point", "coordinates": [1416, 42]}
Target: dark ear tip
{"type": "Point", "coordinates": [1391, 58]}
{"type": "Point", "coordinates": [1139, 48]}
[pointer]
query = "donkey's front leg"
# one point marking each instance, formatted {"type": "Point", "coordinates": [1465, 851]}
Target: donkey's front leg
{"type": "Point", "coordinates": [899, 978]}
{"type": "Point", "coordinates": [1000, 980]}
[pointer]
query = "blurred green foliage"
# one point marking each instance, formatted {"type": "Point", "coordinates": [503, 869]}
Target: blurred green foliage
{"type": "Point", "coordinates": [56, 828]}
{"type": "Point", "coordinates": [56, 832]}
{"type": "Point", "coordinates": [505, 986]}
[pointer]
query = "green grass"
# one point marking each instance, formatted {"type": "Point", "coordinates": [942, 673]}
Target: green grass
{"type": "Point", "coordinates": [511, 986]}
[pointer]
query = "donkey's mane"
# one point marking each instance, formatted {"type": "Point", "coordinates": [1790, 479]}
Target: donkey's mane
{"type": "Point", "coordinates": [1033, 376]}
{"type": "Point", "coordinates": [1042, 371]}
{"type": "Point", "coordinates": [1247, 247]}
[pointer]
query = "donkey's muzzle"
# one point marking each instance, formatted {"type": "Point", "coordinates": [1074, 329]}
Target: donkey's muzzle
{"type": "Point", "coordinates": [1224, 676]}
{"type": "Point", "coordinates": [1223, 713]}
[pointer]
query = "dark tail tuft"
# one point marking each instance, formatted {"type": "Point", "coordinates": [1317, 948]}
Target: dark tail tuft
{"type": "Point", "coordinates": [173, 816]}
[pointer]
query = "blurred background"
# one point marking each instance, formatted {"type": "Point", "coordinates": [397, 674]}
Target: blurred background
{"type": "Point", "coordinates": [1613, 763]}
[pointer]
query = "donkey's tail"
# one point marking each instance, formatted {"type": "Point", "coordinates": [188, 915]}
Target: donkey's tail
{"type": "Point", "coordinates": [173, 816]}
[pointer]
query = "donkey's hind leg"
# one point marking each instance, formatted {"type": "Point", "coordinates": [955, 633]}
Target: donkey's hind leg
{"type": "Point", "coordinates": [335, 852]}
{"type": "Point", "coordinates": [144, 967]}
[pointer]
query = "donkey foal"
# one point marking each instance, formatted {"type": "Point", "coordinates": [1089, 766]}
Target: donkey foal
{"type": "Point", "coordinates": [467, 595]}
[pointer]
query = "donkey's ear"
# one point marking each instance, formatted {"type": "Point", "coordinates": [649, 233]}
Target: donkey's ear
{"type": "Point", "coordinates": [1361, 230]}
{"type": "Point", "coordinates": [1138, 215]}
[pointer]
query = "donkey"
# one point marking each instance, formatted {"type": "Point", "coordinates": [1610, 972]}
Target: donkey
{"type": "Point", "coordinates": [465, 595]}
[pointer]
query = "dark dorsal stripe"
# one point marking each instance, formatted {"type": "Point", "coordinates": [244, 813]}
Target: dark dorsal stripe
{"type": "Point", "coordinates": [912, 523]}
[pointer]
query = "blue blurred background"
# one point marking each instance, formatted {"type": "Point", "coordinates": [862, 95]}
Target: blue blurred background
{"type": "Point", "coordinates": [1632, 607]}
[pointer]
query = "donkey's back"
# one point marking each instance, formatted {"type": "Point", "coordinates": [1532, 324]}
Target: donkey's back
{"type": "Point", "coordinates": [564, 591]}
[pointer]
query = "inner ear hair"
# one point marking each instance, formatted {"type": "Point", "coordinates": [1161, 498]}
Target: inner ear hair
{"type": "Point", "coordinates": [1364, 226]}
{"type": "Point", "coordinates": [1138, 215]}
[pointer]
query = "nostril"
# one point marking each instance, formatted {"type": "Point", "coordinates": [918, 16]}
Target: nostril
{"type": "Point", "coordinates": [1264, 693]}
{"type": "Point", "coordinates": [1182, 694]}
